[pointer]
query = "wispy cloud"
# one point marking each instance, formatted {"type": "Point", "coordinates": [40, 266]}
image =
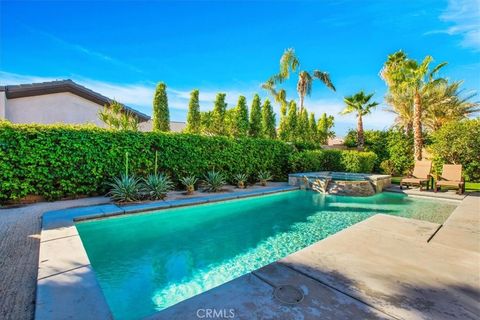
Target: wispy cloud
{"type": "Point", "coordinates": [463, 17]}
{"type": "Point", "coordinates": [83, 50]}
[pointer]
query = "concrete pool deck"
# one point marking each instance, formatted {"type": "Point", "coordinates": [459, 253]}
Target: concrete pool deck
{"type": "Point", "coordinates": [384, 267]}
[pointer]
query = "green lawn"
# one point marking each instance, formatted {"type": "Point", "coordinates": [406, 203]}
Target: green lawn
{"type": "Point", "coordinates": [469, 186]}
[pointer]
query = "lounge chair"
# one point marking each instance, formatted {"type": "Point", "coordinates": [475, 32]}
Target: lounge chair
{"type": "Point", "coordinates": [421, 175]}
{"type": "Point", "coordinates": [451, 177]}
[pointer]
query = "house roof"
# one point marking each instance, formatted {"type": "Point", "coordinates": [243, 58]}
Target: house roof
{"type": "Point", "coordinates": [42, 88]}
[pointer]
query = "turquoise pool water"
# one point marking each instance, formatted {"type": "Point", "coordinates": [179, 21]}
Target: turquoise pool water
{"type": "Point", "coordinates": [147, 262]}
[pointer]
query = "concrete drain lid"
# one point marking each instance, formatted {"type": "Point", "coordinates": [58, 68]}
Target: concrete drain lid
{"type": "Point", "coordinates": [288, 294]}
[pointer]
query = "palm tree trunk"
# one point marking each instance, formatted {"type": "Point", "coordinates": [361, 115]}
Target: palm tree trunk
{"type": "Point", "coordinates": [409, 128]}
{"type": "Point", "coordinates": [360, 139]}
{"type": "Point", "coordinates": [301, 102]}
{"type": "Point", "coordinates": [417, 126]}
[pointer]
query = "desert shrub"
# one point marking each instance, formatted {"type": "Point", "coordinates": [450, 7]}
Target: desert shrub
{"type": "Point", "coordinates": [332, 160]}
{"type": "Point", "coordinates": [125, 188]}
{"type": "Point", "coordinates": [458, 143]}
{"type": "Point", "coordinates": [156, 186]}
{"type": "Point", "coordinates": [61, 160]}
{"type": "Point", "coordinates": [214, 181]}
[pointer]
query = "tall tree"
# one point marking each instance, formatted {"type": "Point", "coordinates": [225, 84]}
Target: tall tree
{"type": "Point", "coordinates": [407, 75]}
{"type": "Point", "coordinates": [240, 123]}
{"type": "Point", "coordinates": [161, 114]}
{"type": "Point", "coordinates": [361, 105]}
{"type": "Point", "coordinates": [312, 132]}
{"type": "Point", "coordinates": [256, 117]}
{"type": "Point", "coordinates": [324, 128]}
{"type": "Point", "coordinates": [303, 127]}
{"type": "Point", "coordinates": [291, 122]}
{"type": "Point", "coordinates": [289, 63]}
{"type": "Point", "coordinates": [445, 103]}
{"type": "Point", "coordinates": [268, 121]}
{"type": "Point", "coordinates": [193, 116]}
{"type": "Point", "coordinates": [218, 115]}
{"type": "Point", "coordinates": [206, 123]}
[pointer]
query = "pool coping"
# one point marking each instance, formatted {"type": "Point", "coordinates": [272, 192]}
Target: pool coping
{"type": "Point", "coordinates": [66, 283]}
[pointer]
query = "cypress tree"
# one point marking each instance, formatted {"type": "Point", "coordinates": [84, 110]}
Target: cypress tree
{"type": "Point", "coordinates": [303, 128]}
{"type": "Point", "coordinates": [218, 115]}
{"type": "Point", "coordinates": [256, 117]}
{"type": "Point", "coordinates": [324, 128]}
{"type": "Point", "coordinates": [268, 121]}
{"type": "Point", "coordinates": [291, 122]}
{"type": "Point", "coordinates": [240, 122]}
{"type": "Point", "coordinates": [193, 117]}
{"type": "Point", "coordinates": [161, 115]}
{"type": "Point", "coordinates": [312, 123]}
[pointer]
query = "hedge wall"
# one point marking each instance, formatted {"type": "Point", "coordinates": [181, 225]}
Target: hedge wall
{"type": "Point", "coordinates": [66, 161]}
{"type": "Point", "coordinates": [332, 160]}
{"type": "Point", "coordinates": [61, 161]}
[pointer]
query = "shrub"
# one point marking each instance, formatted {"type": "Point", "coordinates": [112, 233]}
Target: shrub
{"type": "Point", "coordinates": [189, 183]}
{"type": "Point", "coordinates": [394, 149]}
{"type": "Point", "coordinates": [214, 181]}
{"type": "Point", "coordinates": [156, 186]}
{"type": "Point", "coordinates": [125, 189]}
{"type": "Point", "coordinates": [458, 143]}
{"type": "Point", "coordinates": [332, 160]}
{"type": "Point", "coordinates": [264, 176]}
{"type": "Point", "coordinates": [240, 179]}
{"type": "Point", "coordinates": [58, 161]}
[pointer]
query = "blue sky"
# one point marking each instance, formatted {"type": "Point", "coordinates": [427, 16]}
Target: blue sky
{"type": "Point", "coordinates": [122, 49]}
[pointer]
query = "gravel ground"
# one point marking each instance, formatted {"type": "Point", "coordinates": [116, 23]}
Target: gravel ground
{"type": "Point", "coordinates": [19, 244]}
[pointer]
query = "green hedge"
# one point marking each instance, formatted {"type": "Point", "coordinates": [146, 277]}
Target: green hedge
{"type": "Point", "coordinates": [332, 160]}
{"type": "Point", "coordinates": [62, 161]}
{"type": "Point", "coordinates": [67, 161]}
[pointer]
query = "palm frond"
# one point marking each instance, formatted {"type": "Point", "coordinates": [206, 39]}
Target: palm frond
{"type": "Point", "coordinates": [325, 78]}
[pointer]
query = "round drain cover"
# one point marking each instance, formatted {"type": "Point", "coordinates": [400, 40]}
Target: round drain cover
{"type": "Point", "coordinates": [288, 294]}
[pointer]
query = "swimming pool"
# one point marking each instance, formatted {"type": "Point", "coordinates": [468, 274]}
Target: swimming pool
{"type": "Point", "coordinates": [147, 262]}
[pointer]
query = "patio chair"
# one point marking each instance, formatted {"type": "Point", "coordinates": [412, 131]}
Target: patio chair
{"type": "Point", "coordinates": [420, 175]}
{"type": "Point", "coordinates": [451, 177]}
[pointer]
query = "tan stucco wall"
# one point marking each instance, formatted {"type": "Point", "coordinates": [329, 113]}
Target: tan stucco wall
{"type": "Point", "coordinates": [62, 107]}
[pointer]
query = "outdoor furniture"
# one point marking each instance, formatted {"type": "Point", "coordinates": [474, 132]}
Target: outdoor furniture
{"type": "Point", "coordinates": [451, 177]}
{"type": "Point", "coordinates": [420, 176]}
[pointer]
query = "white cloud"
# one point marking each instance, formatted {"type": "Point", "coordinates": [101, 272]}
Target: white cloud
{"type": "Point", "coordinates": [463, 16]}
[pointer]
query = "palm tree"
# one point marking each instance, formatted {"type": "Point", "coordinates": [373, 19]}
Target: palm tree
{"type": "Point", "coordinates": [406, 75]}
{"type": "Point", "coordinates": [401, 104]}
{"type": "Point", "coordinates": [445, 103]}
{"type": "Point", "coordinates": [289, 63]}
{"type": "Point", "coordinates": [359, 103]}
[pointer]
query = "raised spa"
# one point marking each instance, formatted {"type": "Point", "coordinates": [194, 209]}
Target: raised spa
{"type": "Point", "coordinates": [341, 183]}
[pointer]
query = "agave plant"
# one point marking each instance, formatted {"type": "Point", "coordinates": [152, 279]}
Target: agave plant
{"type": "Point", "coordinates": [156, 186]}
{"type": "Point", "coordinates": [240, 179]}
{"type": "Point", "coordinates": [125, 189]}
{"type": "Point", "coordinates": [189, 183]}
{"type": "Point", "coordinates": [264, 176]}
{"type": "Point", "coordinates": [214, 181]}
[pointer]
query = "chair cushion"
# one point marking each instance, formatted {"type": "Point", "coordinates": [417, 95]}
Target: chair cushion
{"type": "Point", "coordinates": [448, 183]}
{"type": "Point", "coordinates": [413, 180]}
